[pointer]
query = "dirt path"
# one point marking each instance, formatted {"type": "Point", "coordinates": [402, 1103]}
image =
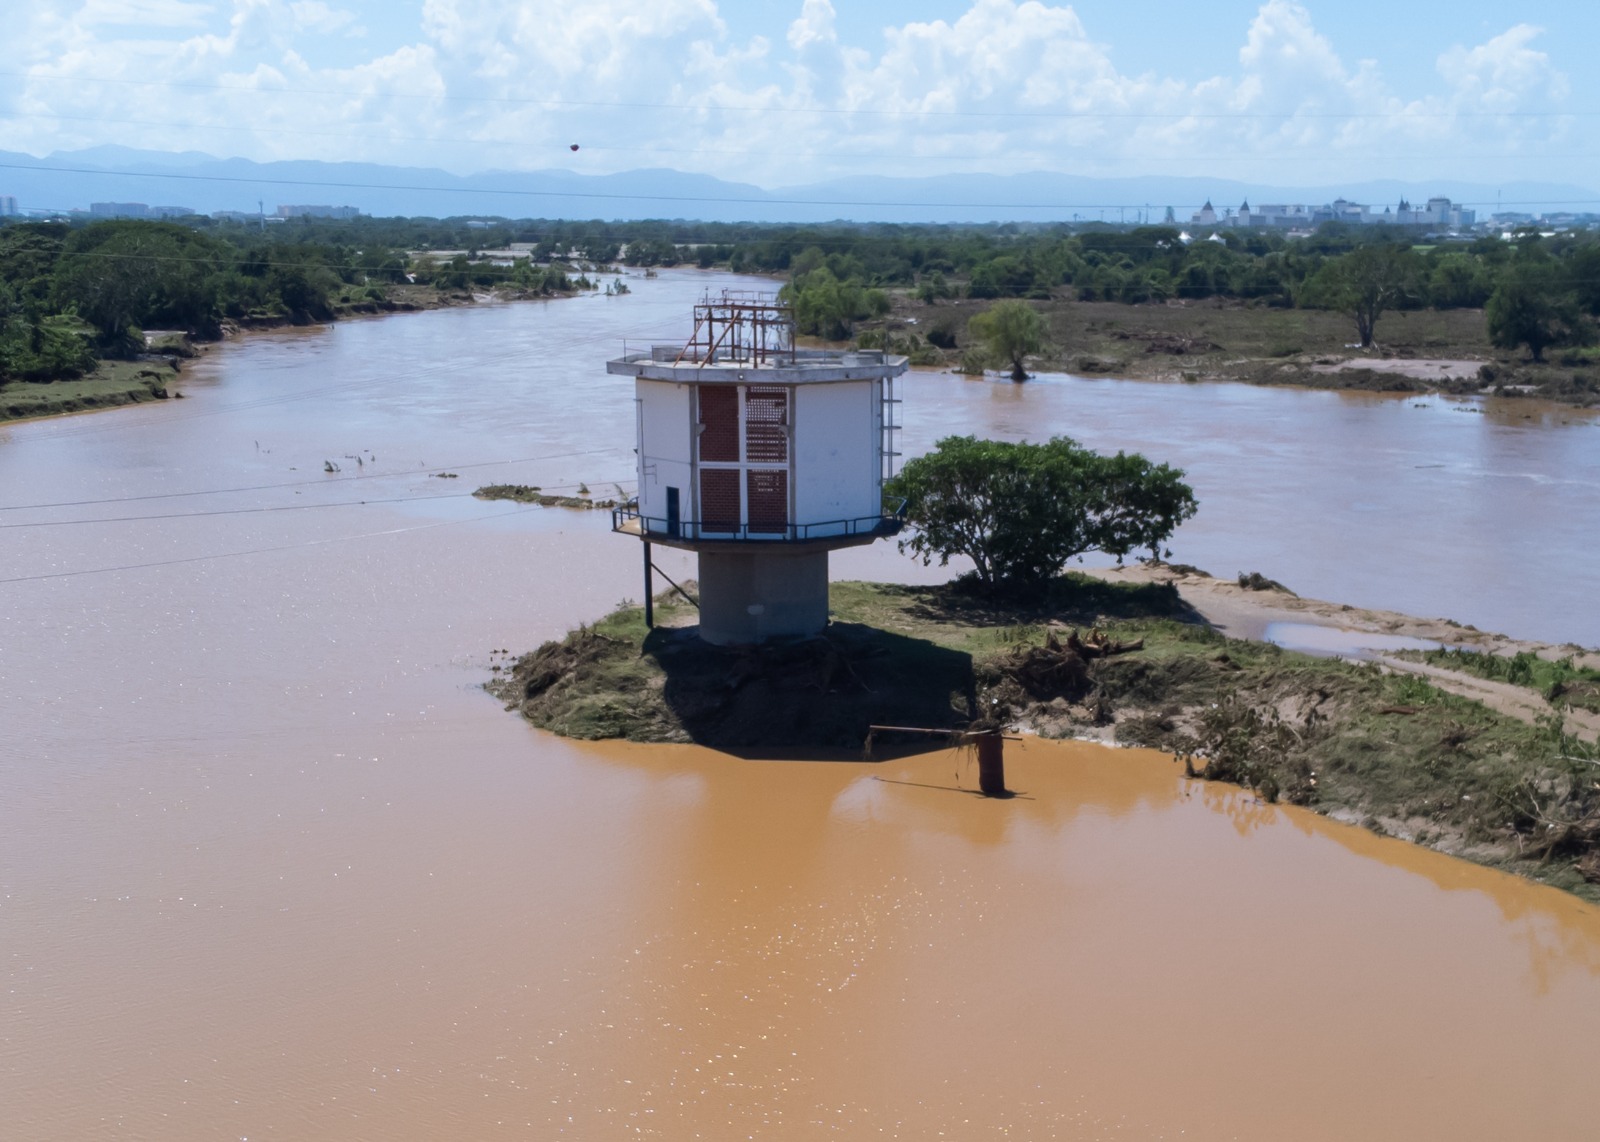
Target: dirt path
{"type": "Point", "coordinates": [1514, 701]}
{"type": "Point", "coordinates": [1240, 612]}
{"type": "Point", "coordinates": [1417, 368]}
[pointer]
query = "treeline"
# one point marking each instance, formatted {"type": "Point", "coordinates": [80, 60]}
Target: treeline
{"type": "Point", "coordinates": [1538, 290]}
{"type": "Point", "coordinates": [71, 294]}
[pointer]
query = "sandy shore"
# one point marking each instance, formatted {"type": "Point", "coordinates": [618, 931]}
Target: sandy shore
{"type": "Point", "coordinates": [1241, 612]}
{"type": "Point", "coordinates": [1420, 369]}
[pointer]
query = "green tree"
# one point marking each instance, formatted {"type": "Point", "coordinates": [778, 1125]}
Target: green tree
{"type": "Point", "coordinates": [933, 288]}
{"type": "Point", "coordinates": [1011, 331]}
{"type": "Point", "coordinates": [1459, 281]}
{"type": "Point", "coordinates": [1364, 283]}
{"type": "Point", "coordinates": [1583, 271]}
{"type": "Point", "coordinates": [827, 306]}
{"type": "Point", "coordinates": [125, 276]}
{"type": "Point", "coordinates": [1021, 511]}
{"type": "Point", "coordinates": [1531, 306]}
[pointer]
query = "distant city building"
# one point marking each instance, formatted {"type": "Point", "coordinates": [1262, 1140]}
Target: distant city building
{"type": "Point", "coordinates": [318, 212]}
{"type": "Point", "coordinates": [118, 210]}
{"type": "Point", "coordinates": [8, 206]}
{"type": "Point", "coordinates": [137, 210]}
{"type": "Point", "coordinates": [1299, 216]}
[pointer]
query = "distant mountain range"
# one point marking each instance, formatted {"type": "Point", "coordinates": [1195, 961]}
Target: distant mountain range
{"type": "Point", "coordinates": [72, 180]}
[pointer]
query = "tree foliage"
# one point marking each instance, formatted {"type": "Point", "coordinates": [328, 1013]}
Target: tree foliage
{"type": "Point", "coordinates": [1530, 308]}
{"type": "Point", "coordinates": [828, 306]}
{"type": "Point", "coordinates": [1020, 511]}
{"type": "Point", "coordinates": [1366, 282]}
{"type": "Point", "coordinates": [1012, 331]}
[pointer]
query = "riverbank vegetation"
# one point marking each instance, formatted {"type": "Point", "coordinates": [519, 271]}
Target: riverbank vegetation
{"type": "Point", "coordinates": [1342, 307]}
{"type": "Point", "coordinates": [1146, 301]}
{"type": "Point", "coordinates": [74, 298]}
{"type": "Point", "coordinates": [1560, 681]}
{"type": "Point", "coordinates": [1128, 663]}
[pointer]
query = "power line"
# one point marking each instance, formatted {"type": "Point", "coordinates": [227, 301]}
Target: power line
{"type": "Point", "coordinates": [304, 483]}
{"type": "Point", "coordinates": [767, 109]}
{"type": "Point", "coordinates": [237, 554]}
{"type": "Point", "coordinates": [589, 195]}
{"type": "Point", "coordinates": [586, 195]}
{"type": "Point", "coordinates": [605, 196]}
{"type": "Point", "coordinates": [272, 508]}
{"type": "Point", "coordinates": [1317, 154]}
{"type": "Point", "coordinates": [326, 390]}
{"type": "Point", "coordinates": [234, 511]}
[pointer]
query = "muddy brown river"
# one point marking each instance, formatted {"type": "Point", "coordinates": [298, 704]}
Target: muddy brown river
{"type": "Point", "coordinates": [272, 866]}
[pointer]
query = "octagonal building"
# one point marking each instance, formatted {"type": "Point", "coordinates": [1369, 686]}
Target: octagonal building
{"type": "Point", "coordinates": [761, 458]}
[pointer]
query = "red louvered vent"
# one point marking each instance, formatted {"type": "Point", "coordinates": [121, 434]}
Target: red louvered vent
{"type": "Point", "coordinates": [719, 416]}
{"type": "Point", "coordinates": [719, 499]}
{"type": "Point", "coordinates": [768, 494]}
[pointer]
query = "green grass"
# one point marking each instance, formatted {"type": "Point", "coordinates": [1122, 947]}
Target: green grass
{"type": "Point", "coordinates": [112, 384]}
{"type": "Point", "coordinates": [1560, 681]}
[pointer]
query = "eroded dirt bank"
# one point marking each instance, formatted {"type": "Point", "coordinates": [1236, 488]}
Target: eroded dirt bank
{"type": "Point", "coordinates": [1143, 657]}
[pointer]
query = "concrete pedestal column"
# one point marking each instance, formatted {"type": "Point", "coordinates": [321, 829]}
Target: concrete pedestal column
{"type": "Point", "coordinates": [749, 598]}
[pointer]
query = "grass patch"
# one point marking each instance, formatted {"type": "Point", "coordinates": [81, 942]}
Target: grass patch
{"type": "Point", "coordinates": [112, 384]}
{"type": "Point", "coordinates": [530, 494]}
{"type": "Point", "coordinates": [1560, 681]}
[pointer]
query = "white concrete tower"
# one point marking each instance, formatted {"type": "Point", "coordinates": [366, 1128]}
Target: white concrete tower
{"type": "Point", "coordinates": [762, 459]}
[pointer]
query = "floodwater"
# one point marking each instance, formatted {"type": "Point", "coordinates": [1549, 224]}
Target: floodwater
{"type": "Point", "coordinates": [1310, 638]}
{"type": "Point", "coordinates": [1483, 512]}
{"type": "Point", "coordinates": [272, 865]}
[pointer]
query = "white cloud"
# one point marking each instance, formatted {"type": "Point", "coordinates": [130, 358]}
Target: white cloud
{"type": "Point", "coordinates": [316, 16]}
{"type": "Point", "coordinates": [814, 27]}
{"type": "Point", "coordinates": [145, 13]}
{"type": "Point", "coordinates": [1503, 74]}
{"type": "Point", "coordinates": [1006, 85]}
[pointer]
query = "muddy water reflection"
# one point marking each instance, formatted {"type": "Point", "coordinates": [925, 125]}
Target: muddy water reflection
{"type": "Point", "coordinates": [272, 866]}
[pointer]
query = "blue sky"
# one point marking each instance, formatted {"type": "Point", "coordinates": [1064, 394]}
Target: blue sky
{"type": "Point", "coordinates": [1286, 92]}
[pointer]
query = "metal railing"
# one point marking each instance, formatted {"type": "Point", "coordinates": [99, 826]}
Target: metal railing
{"type": "Point", "coordinates": [628, 519]}
{"type": "Point", "coordinates": [672, 355]}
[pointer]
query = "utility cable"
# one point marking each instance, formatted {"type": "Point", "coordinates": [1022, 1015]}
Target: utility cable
{"type": "Point", "coordinates": [348, 387]}
{"type": "Point", "coordinates": [257, 93]}
{"type": "Point", "coordinates": [235, 511]}
{"type": "Point", "coordinates": [603, 196]}
{"type": "Point", "coordinates": [237, 554]}
{"type": "Point", "coordinates": [309, 483]}
{"type": "Point", "coordinates": [1318, 154]}
{"type": "Point", "coordinates": [270, 508]}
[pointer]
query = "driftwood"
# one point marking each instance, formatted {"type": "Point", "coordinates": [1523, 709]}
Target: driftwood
{"type": "Point", "coordinates": [1060, 668]}
{"type": "Point", "coordinates": [1097, 645]}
